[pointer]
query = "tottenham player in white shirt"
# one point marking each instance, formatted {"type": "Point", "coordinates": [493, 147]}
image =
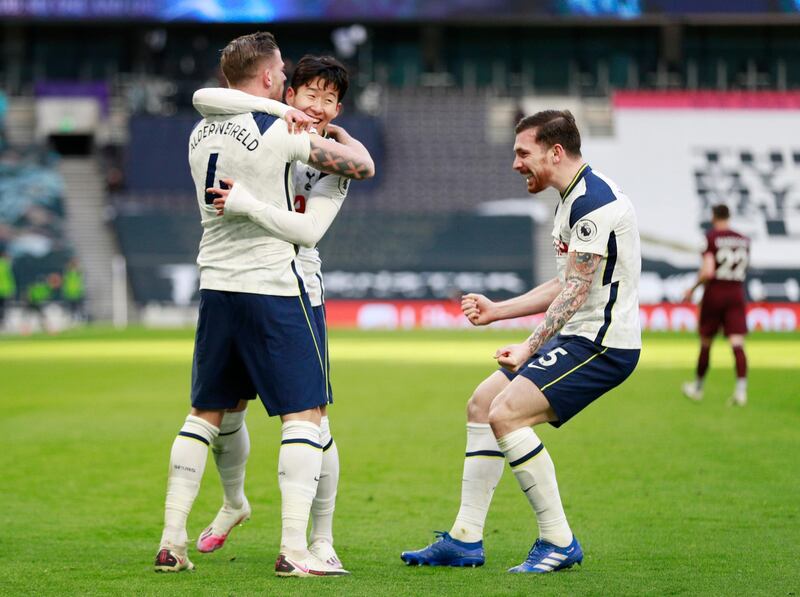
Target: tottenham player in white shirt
{"type": "Point", "coordinates": [317, 87]}
{"type": "Point", "coordinates": [255, 333]}
{"type": "Point", "coordinates": [588, 343]}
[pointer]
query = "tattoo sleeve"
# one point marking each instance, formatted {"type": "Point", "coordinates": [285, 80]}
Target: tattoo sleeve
{"type": "Point", "coordinates": [336, 158]}
{"type": "Point", "coordinates": [581, 268]}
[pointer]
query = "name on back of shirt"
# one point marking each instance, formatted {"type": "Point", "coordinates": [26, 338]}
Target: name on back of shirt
{"type": "Point", "coordinates": [228, 128]}
{"type": "Point", "coordinates": [731, 241]}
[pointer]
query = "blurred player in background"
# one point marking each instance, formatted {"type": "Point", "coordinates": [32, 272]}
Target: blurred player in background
{"type": "Point", "coordinates": [722, 273]}
{"type": "Point", "coordinates": [255, 333]}
{"type": "Point", "coordinates": [317, 87]}
{"type": "Point", "coordinates": [587, 344]}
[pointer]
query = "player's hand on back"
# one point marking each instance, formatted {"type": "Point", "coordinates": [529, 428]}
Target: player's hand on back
{"type": "Point", "coordinates": [221, 195]}
{"type": "Point", "coordinates": [513, 356]}
{"type": "Point", "coordinates": [478, 309]}
{"type": "Point", "coordinates": [298, 121]}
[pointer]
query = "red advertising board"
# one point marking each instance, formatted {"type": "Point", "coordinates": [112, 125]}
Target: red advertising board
{"type": "Point", "coordinates": [394, 315]}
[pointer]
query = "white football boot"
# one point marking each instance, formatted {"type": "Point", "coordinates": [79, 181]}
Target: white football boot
{"type": "Point", "coordinates": [692, 391]}
{"type": "Point", "coordinates": [324, 551]}
{"type": "Point", "coordinates": [172, 558]}
{"type": "Point", "coordinates": [738, 399]}
{"type": "Point", "coordinates": [305, 565]}
{"type": "Point", "coordinates": [215, 534]}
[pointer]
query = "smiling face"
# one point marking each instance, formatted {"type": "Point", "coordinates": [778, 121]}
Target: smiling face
{"type": "Point", "coordinates": [534, 161]}
{"type": "Point", "coordinates": [318, 98]}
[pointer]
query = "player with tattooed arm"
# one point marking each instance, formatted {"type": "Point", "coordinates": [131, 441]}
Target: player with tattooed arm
{"type": "Point", "coordinates": [255, 333]}
{"type": "Point", "coordinates": [588, 343]}
{"type": "Point", "coordinates": [317, 87]}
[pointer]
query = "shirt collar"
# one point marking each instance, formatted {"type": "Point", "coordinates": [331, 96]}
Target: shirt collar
{"type": "Point", "coordinates": [585, 169]}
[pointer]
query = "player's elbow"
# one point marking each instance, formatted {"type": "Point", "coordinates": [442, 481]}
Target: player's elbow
{"type": "Point", "coordinates": [369, 168]}
{"type": "Point", "coordinates": [308, 241]}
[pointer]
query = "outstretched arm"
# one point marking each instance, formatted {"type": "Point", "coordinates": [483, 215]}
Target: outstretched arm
{"type": "Point", "coordinates": [216, 101]}
{"type": "Point", "coordinates": [581, 269]}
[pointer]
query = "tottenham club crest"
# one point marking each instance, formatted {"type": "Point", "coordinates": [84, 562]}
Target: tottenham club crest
{"type": "Point", "coordinates": [587, 230]}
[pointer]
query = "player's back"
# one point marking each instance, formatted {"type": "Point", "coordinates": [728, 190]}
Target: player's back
{"type": "Point", "coordinates": [731, 252]}
{"type": "Point", "coordinates": [257, 150]}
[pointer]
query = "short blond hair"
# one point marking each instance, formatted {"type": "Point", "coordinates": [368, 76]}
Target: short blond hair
{"type": "Point", "coordinates": [242, 56]}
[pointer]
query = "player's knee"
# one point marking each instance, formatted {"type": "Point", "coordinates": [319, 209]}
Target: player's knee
{"type": "Point", "coordinates": [499, 417]}
{"type": "Point", "coordinates": [478, 408]}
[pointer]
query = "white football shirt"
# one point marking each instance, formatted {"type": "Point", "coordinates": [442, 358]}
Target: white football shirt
{"type": "Point", "coordinates": [310, 182]}
{"type": "Point", "coordinates": [257, 150]}
{"type": "Point", "coordinates": [595, 216]}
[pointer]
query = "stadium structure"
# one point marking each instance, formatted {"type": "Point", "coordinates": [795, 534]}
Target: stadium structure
{"type": "Point", "coordinates": [96, 109]}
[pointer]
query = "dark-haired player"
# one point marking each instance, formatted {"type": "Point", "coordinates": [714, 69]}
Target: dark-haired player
{"type": "Point", "coordinates": [587, 344]}
{"type": "Point", "coordinates": [317, 87]}
{"type": "Point", "coordinates": [255, 331]}
{"type": "Point", "coordinates": [722, 273]}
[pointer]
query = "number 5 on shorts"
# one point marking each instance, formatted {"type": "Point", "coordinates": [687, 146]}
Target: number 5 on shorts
{"type": "Point", "coordinates": [551, 357]}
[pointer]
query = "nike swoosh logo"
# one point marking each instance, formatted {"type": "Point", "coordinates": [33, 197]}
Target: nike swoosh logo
{"type": "Point", "coordinates": [298, 565]}
{"type": "Point", "coordinates": [532, 366]}
{"type": "Point", "coordinates": [529, 488]}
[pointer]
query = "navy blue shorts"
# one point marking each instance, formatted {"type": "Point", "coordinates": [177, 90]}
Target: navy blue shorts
{"type": "Point", "coordinates": [322, 331]}
{"type": "Point", "coordinates": [572, 372]}
{"type": "Point", "coordinates": [248, 344]}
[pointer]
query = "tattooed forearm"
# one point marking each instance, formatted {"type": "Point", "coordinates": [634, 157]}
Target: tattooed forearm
{"type": "Point", "coordinates": [581, 268]}
{"type": "Point", "coordinates": [339, 159]}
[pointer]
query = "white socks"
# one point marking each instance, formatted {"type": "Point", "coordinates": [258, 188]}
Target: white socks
{"type": "Point", "coordinates": [325, 500]}
{"type": "Point", "coordinates": [536, 475]}
{"type": "Point", "coordinates": [186, 465]}
{"type": "Point", "coordinates": [231, 449]}
{"type": "Point", "coordinates": [483, 468]}
{"type": "Point", "coordinates": [299, 464]}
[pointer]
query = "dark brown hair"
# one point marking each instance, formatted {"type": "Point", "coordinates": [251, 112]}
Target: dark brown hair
{"type": "Point", "coordinates": [241, 58]}
{"type": "Point", "coordinates": [326, 68]}
{"type": "Point", "coordinates": [554, 126]}
{"type": "Point", "coordinates": [720, 212]}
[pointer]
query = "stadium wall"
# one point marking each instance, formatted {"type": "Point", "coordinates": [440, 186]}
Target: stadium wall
{"type": "Point", "coordinates": [662, 317]}
{"type": "Point", "coordinates": [678, 153]}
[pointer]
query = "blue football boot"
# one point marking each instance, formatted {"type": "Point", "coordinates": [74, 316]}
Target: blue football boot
{"type": "Point", "coordinates": [545, 557]}
{"type": "Point", "coordinates": [446, 551]}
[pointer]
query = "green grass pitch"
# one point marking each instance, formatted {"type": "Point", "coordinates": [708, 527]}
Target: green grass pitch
{"type": "Point", "coordinates": [667, 497]}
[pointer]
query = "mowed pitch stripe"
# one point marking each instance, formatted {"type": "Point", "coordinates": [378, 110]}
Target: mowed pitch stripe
{"type": "Point", "coordinates": [656, 354]}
